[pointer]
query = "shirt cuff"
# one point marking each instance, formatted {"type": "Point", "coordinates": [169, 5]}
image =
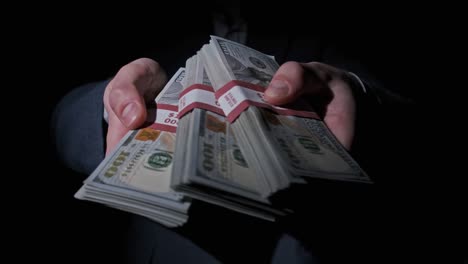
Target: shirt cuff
{"type": "Point", "coordinates": [359, 81]}
{"type": "Point", "coordinates": [105, 115]}
{"type": "Point", "coordinates": [364, 87]}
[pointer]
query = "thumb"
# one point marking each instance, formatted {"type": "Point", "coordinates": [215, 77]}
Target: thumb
{"type": "Point", "coordinates": [291, 81]}
{"type": "Point", "coordinates": [136, 82]}
{"type": "Point", "coordinates": [127, 104]}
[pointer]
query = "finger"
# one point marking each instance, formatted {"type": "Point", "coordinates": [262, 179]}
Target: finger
{"type": "Point", "coordinates": [151, 79]}
{"type": "Point", "coordinates": [126, 103]}
{"type": "Point", "coordinates": [136, 83]}
{"type": "Point", "coordinates": [116, 131]}
{"type": "Point", "coordinates": [291, 81]}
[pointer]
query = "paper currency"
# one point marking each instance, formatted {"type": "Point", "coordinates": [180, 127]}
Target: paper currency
{"type": "Point", "coordinates": [210, 165]}
{"type": "Point", "coordinates": [291, 148]}
{"type": "Point", "coordinates": [231, 148]}
{"type": "Point", "coordinates": [136, 176]}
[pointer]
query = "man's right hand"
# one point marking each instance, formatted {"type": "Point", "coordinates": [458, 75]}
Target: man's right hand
{"type": "Point", "coordinates": [127, 94]}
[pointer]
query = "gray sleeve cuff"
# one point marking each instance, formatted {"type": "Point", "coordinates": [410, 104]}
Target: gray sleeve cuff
{"type": "Point", "coordinates": [364, 87]}
{"type": "Point", "coordinates": [106, 115]}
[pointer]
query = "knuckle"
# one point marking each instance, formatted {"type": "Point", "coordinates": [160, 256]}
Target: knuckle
{"type": "Point", "coordinates": [319, 70]}
{"type": "Point", "coordinates": [148, 66]}
{"type": "Point", "coordinates": [139, 67]}
{"type": "Point", "coordinates": [291, 64]}
{"type": "Point", "coordinates": [314, 65]}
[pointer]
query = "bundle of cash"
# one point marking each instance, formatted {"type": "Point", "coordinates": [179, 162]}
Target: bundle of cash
{"type": "Point", "coordinates": [231, 148]}
{"type": "Point", "coordinates": [286, 145]}
{"type": "Point", "coordinates": [136, 176]}
{"type": "Point", "coordinates": [208, 163]}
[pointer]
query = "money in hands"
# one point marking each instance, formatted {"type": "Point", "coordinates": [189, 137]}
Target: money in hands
{"type": "Point", "coordinates": [216, 140]}
{"type": "Point", "coordinates": [136, 176]}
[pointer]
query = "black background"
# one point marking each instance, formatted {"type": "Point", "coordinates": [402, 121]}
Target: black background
{"type": "Point", "coordinates": [59, 50]}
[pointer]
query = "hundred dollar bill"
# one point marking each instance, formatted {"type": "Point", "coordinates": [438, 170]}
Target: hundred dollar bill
{"type": "Point", "coordinates": [210, 166]}
{"type": "Point", "coordinates": [137, 174]}
{"type": "Point", "coordinates": [284, 141]}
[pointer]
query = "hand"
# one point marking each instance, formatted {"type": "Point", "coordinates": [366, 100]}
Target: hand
{"type": "Point", "coordinates": [127, 94]}
{"type": "Point", "coordinates": [328, 89]}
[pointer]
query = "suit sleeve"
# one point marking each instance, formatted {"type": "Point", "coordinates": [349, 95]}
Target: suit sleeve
{"type": "Point", "coordinates": [375, 87]}
{"type": "Point", "coordinates": [78, 128]}
{"type": "Point", "coordinates": [385, 116]}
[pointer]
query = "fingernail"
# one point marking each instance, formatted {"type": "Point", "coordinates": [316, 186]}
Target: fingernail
{"type": "Point", "coordinates": [277, 88]}
{"type": "Point", "coordinates": [129, 114]}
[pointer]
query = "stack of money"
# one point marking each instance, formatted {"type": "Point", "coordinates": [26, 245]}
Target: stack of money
{"type": "Point", "coordinates": [136, 176]}
{"type": "Point", "coordinates": [208, 163]}
{"type": "Point", "coordinates": [288, 145]}
{"type": "Point", "coordinates": [231, 148]}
